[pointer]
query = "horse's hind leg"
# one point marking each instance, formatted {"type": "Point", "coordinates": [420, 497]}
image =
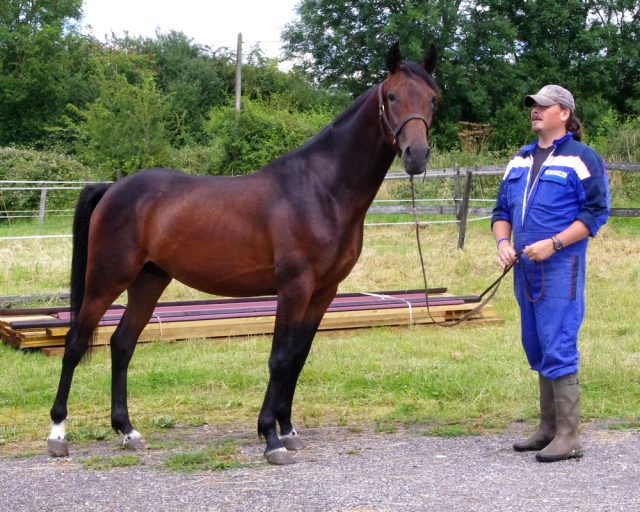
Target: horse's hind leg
{"type": "Point", "coordinates": [77, 342]}
{"type": "Point", "coordinates": [143, 294]}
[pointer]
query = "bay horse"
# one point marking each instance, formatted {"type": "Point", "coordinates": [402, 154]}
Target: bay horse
{"type": "Point", "coordinates": [294, 229]}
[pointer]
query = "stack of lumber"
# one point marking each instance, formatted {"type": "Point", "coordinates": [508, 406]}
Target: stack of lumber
{"type": "Point", "coordinates": [223, 318]}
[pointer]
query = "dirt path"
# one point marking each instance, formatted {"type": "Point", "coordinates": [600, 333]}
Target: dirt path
{"type": "Point", "coordinates": [343, 471]}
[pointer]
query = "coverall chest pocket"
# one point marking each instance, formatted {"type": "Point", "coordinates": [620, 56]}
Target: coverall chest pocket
{"type": "Point", "coordinates": [555, 190]}
{"type": "Point", "coordinates": [517, 183]}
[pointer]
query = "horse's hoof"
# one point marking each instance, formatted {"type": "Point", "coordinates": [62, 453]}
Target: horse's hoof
{"type": "Point", "coordinates": [293, 442]}
{"type": "Point", "coordinates": [58, 447]}
{"type": "Point", "coordinates": [134, 441]}
{"type": "Point", "coordinates": [279, 457]}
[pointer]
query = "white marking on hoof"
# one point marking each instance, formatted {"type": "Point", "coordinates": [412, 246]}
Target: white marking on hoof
{"type": "Point", "coordinates": [134, 441]}
{"type": "Point", "coordinates": [292, 441]}
{"type": "Point", "coordinates": [279, 457]}
{"type": "Point", "coordinates": [58, 431]}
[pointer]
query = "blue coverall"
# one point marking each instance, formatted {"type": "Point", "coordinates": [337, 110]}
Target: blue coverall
{"type": "Point", "coordinates": [572, 184]}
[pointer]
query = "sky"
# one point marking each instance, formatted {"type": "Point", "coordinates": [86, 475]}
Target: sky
{"type": "Point", "coordinates": [214, 23]}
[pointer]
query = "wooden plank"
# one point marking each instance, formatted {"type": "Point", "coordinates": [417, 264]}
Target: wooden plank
{"type": "Point", "coordinates": [205, 326]}
{"type": "Point", "coordinates": [53, 351]}
{"type": "Point", "coordinates": [59, 351]}
{"type": "Point", "coordinates": [229, 327]}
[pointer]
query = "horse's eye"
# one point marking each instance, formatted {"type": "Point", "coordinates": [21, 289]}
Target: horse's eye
{"type": "Point", "coordinates": [391, 97]}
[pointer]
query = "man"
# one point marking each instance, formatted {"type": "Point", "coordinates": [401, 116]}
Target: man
{"type": "Point", "coordinates": [553, 196]}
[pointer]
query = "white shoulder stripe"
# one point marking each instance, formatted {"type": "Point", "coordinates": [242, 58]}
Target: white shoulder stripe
{"type": "Point", "coordinates": [517, 161]}
{"type": "Point", "coordinates": [574, 163]}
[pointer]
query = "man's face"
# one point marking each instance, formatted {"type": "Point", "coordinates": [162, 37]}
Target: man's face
{"type": "Point", "coordinates": [549, 119]}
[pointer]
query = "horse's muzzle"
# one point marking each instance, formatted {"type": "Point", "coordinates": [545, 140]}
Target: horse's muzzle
{"type": "Point", "coordinates": [415, 158]}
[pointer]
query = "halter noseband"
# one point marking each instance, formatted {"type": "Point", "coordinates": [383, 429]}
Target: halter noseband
{"type": "Point", "coordinates": [385, 125]}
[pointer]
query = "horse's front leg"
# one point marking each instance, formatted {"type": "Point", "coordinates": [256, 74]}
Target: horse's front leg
{"type": "Point", "coordinates": [296, 325]}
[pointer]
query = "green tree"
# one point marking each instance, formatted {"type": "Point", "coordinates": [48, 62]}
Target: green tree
{"type": "Point", "coordinates": [264, 130]}
{"type": "Point", "coordinates": [190, 75]}
{"type": "Point", "coordinates": [262, 78]}
{"type": "Point", "coordinates": [615, 65]}
{"type": "Point", "coordinates": [43, 66]}
{"type": "Point", "coordinates": [344, 43]}
{"type": "Point", "coordinates": [124, 128]}
{"type": "Point", "coordinates": [491, 53]}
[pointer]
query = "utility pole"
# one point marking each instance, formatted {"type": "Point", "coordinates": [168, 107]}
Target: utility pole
{"type": "Point", "coordinates": [239, 73]}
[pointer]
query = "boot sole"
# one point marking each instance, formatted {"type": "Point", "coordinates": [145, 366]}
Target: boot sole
{"type": "Point", "coordinates": [573, 454]}
{"type": "Point", "coordinates": [531, 447]}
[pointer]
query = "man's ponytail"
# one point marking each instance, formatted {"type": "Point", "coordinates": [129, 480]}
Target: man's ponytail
{"type": "Point", "coordinates": [575, 127]}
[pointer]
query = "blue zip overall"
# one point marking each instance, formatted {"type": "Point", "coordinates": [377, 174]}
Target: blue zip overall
{"type": "Point", "coordinates": [571, 185]}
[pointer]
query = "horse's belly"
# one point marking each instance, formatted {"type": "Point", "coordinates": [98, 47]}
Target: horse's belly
{"type": "Point", "coordinates": [227, 279]}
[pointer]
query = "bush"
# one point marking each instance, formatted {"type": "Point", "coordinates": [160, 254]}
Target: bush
{"type": "Point", "coordinates": [618, 140]}
{"type": "Point", "coordinates": [264, 130]}
{"type": "Point", "coordinates": [196, 159]}
{"type": "Point", "coordinates": [30, 165]}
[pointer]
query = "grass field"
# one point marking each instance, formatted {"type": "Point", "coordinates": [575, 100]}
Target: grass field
{"type": "Point", "coordinates": [458, 380]}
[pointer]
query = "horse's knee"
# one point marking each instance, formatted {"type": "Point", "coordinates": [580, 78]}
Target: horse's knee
{"type": "Point", "coordinates": [286, 363]}
{"type": "Point", "coordinates": [121, 349]}
{"type": "Point", "coordinates": [74, 351]}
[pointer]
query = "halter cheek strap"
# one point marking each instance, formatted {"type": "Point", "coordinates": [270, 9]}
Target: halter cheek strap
{"type": "Point", "coordinates": [386, 127]}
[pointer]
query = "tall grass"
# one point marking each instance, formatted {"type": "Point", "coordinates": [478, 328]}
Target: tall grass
{"type": "Point", "coordinates": [474, 379]}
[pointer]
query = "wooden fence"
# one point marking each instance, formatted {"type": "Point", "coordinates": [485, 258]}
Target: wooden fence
{"type": "Point", "coordinates": [461, 207]}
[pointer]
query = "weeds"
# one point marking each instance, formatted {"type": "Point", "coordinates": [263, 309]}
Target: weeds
{"type": "Point", "coordinates": [216, 456]}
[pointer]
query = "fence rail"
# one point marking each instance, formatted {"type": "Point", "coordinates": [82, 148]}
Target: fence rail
{"type": "Point", "coordinates": [461, 207]}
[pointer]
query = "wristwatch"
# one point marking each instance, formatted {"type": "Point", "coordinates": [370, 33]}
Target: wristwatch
{"type": "Point", "coordinates": [557, 244]}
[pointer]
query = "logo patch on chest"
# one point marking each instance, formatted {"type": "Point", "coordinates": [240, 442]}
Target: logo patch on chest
{"type": "Point", "coordinates": [557, 174]}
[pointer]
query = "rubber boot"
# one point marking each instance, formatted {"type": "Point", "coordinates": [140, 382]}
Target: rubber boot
{"type": "Point", "coordinates": [566, 444]}
{"type": "Point", "coordinates": [547, 428]}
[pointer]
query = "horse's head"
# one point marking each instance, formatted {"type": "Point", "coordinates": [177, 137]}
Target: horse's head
{"type": "Point", "coordinates": [407, 99]}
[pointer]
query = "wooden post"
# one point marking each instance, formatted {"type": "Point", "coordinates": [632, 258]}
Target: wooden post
{"type": "Point", "coordinates": [464, 210]}
{"type": "Point", "coordinates": [43, 204]}
{"type": "Point", "coordinates": [239, 73]}
{"type": "Point", "coordinates": [456, 190]}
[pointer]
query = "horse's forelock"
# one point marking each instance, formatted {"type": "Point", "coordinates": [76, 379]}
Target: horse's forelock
{"type": "Point", "coordinates": [417, 69]}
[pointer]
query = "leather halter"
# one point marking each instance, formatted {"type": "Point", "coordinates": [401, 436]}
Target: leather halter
{"type": "Point", "coordinates": [385, 125]}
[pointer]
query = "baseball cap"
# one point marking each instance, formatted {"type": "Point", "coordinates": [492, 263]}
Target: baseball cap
{"type": "Point", "coordinates": [550, 95]}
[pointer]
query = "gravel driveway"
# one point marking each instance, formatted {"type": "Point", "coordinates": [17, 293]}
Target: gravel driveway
{"type": "Point", "coordinates": [344, 471]}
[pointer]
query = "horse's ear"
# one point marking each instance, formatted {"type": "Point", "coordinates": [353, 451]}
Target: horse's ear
{"type": "Point", "coordinates": [430, 59]}
{"type": "Point", "coordinates": [394, 58]}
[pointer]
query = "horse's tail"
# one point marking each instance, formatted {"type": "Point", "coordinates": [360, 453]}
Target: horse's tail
{"type": "Point", "coordinates": [87, 202]}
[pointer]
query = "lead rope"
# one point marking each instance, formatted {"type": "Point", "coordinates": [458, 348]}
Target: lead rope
{"type": "Point", "coordinates": [495, 285]}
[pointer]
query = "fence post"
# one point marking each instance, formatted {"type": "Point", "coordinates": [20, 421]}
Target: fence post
{"type": "Point", "coordinates": [456, 190]}
{"type": "Point", "coordinates": [238, 74]}
{"type": "Point", "coordinates": [43, 205]}
{"type": "Point", "coordinates": [464, 211]}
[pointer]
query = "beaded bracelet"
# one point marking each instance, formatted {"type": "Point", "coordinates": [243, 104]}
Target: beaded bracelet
{"type": "Point", "coordinates": [502, 240]}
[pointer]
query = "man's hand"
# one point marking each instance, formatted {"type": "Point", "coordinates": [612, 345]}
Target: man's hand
{"type": "Point", "coordinates": [506, 254]}
{"type": "Point", "coordinates": [539, 251]}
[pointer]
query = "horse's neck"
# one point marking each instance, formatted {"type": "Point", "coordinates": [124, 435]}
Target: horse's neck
{"type": "Point", "coordinates": [363, 157]}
